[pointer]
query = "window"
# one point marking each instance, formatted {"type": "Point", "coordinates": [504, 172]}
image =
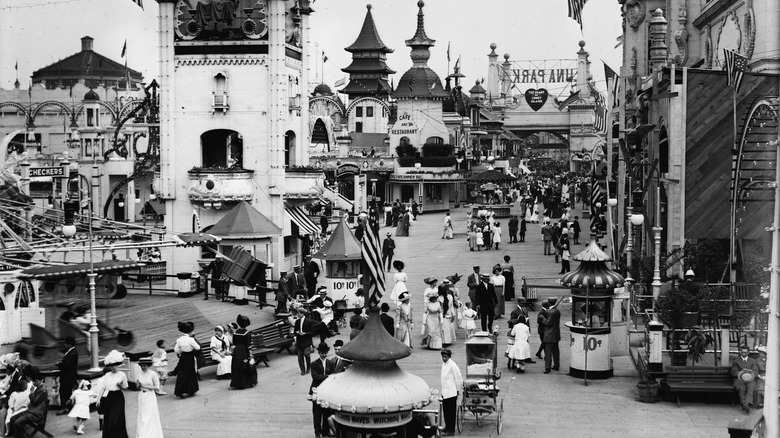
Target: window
{"type": "Point", "coordinates": [93, 117]}
{"type": "Point", "coordinates": [290, 245]}
{"type": "Point", "coordinates": [221, 148]}
{"type": "Point", "coordinates": [370, 111]}
{"type": "Point", "coordinates": [434, 140]}
{"type": "Point", "coordinates": [358, 126]}
{"type": "Point", "coordinates": [433, 193]}
{"type": "Point", "coordinates": [404, 141]}
{"type": "Point", "coordinates": [359, 111]}
{"type": "Point", "coordinates": [220, 102]}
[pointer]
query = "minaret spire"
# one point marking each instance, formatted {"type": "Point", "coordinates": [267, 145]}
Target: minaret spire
{"type": "Point", "coordinates": [420, 43]}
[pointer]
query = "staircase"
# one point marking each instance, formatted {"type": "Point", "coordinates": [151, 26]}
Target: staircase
{"type": "Point", "coordinates": [341, 202]}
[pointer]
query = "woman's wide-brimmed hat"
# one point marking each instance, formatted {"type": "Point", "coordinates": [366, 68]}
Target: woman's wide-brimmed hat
{"type": "Point", "coordinates": [186, 327]}
{"type": "Point", "coordinates": [114, 358]}
{"type": "Point", "coordinates": [145, 361]}
{"type": "Point", "coordinates": [398, 265]}
{"type": "Point", "coordinates": [403, 296]}
{"type": "Point", "coordinates": [242, 321]}
{"type": "Point", "coordinates": [430, 280]}
{"type": "Point", "coordinates": [454, 278]}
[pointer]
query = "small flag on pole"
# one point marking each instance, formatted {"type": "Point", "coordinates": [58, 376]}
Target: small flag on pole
{"type": "Point", "coordinates": [612, 86]}
{"type": "Point", "coordinates": [736, 65]}
{"type": "Point", "coordinates": [140, 3]}
{"type": "Point", "coordinates": [373, 272]}
{"type": "Point", "coordinates": [575, 10]}
{"type": "Point", "coordinates": [324, 57]}
{"type": "Point", "coordinates": [448, 51]}
{"type": "Point", "coordinates": [124, 49]}
{"type": "Point", "coordinates": [341, 82]}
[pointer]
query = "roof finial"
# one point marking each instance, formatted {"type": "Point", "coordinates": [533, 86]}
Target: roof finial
{"type": "Point", "coordinates": [368, 6]}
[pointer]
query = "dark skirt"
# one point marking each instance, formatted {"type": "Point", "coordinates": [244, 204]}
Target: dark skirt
{"type": "Point", "coordinates": [187, 377]}
{"type": "Point", "coordinates": [243, 375]}
{"type": "Point", "coordinates": [113, 406]}
{"type": "Point", "coordinates": [509, 286]}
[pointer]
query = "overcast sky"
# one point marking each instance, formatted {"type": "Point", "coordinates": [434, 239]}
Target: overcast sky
{"type": "Point", "coordinates": [36, 33]}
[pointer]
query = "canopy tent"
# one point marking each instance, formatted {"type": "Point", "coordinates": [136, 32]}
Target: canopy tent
{"type": "Point", "coordinates": [244, 222]}
{"type": "Point", "coordinates": [66, 271]}
{"type": "Point", "coordinates": [490, 176]}
{"type": "Point", "coordinates": [342, 245]}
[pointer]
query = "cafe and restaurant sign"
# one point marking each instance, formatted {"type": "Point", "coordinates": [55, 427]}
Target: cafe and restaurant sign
{"type": "Point", "coordinates": [404, 125]}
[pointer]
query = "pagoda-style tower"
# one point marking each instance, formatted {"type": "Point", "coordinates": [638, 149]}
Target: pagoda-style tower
{"type": "Point", "coordinates": [368, 71]}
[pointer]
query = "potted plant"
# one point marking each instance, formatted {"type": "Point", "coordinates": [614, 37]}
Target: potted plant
{"type": "Point", "coordinates": [697, 341]}
{"type": "Point", "coordinates": [678, 309]}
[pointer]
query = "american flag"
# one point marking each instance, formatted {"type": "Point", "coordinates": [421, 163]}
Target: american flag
{"type": "Point", "coordinates": [596, 196]}
{"type": "Point", "coordinates": [736, 65]}
{"type": "Point", "coordinates": [575, 10]}
{"type": "Point", "coordinates": [373, 272]}
{"type": "Point", "coordinates": [612, 86]}
{"type": "Point", "coordinates": [600, 122]}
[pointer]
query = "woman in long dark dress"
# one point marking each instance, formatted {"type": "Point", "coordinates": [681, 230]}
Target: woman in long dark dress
{"type": "Point", "coordinates": [187, 369]}
{"type": "Point", "coordinates": [112, 401]}
{"type": "Point", "coordinates": [243, 371]}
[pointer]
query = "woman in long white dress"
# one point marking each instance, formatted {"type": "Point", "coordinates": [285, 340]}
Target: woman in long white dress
{"type": "Point", "coordinates": [497, 234]}
{"type": "Point", "coordinates": [400, 281]}
{"type": "Point", "coordinates": [432, 323]}
{"type": "Point", "coordinates": [520, 351]}
{"type": "Point", "coordinates": [148, 425]}
{"type": "Point", "coordinates": [498, 282]}
{"type": "Point", "coordinates": [403, 318]}
{"type": "Point", "coordinates": [448, 315]}
{"type": "Point", "coordinates": [220, 351]}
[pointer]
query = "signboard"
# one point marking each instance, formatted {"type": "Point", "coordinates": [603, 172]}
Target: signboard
{"type": "Point", "coordinates": [47, 171]}
{"type": "Point", "coordinates": [404, 125]}
{"type": "Point", "coordinates": [348, 169]}
{"type": "Point", "coordinates": [401, 178]}
{"type": "Point", "coordinates": [343, 289]}
{"type": "Point", "coordinates": [374, 421]}
{"type": "Point", "coordinates": [531, 73]}
{"type": "Point", "coordinates": [597, 347]}
{"type": "Point", "coordinates": [536, 98]}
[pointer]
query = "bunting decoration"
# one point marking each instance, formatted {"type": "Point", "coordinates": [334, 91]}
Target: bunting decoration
{"type": "Point", "coordinates": [575, 10]}
{"type": "Point", "coordinates": [373, 272]}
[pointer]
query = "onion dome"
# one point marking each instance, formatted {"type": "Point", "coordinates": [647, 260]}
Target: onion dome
{"type": "Point", "coordinates": [420, 81]}
{"type": "Point", "coordinates": [91, 95]}
{"type": "Point", "coordinates": [374, 383]}
{"type": "Point", "coordinates": [593, 272]}
{"type": "Point", "coordinates": [322, 90]}
{"type": "Point", "coordinates": [477, 89]}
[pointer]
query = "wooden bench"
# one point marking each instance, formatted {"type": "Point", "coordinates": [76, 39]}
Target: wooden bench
{"type": "Point", "coordinates": [531, 291]}
{"type": "Point", "coordinates": [699, 379]}
{"type": "Point", "coordinates": [274, 336]}
{"type": "Point", "coordinates": [205, 348]}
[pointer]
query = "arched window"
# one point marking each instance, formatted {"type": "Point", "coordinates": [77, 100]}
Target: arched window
{"type": "Point", "coordinates": [319, 135]}
{"type": "Point", "coordinates": [434, 140]}
{"type": "Point", "coordinates": [222, 148]}
{"type": "Point", "coordinates": [404, 141]}
{"type": "Point", "coordinates": [289, 149]}
{"type": "Point", "coordinates": [663, 151]}
{"type": "Point", "coordinates": [220, 97]}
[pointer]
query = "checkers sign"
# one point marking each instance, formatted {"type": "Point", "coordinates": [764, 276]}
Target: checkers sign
{"type": "Point", "coordinates": [47, 171]}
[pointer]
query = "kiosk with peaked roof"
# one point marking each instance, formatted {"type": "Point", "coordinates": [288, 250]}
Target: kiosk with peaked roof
{"type": "Point", "coordinates": [342, 264]}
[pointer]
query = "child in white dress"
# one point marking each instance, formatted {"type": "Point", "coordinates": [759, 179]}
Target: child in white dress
{"type": "Point", "coordinates": [17, 401]}
{"type": "Point", "coordinates": [160, 364]}
{"type": "Point", "coordinates": [467, 322]}
{"type": "Point", "coordinates": [81, 399]}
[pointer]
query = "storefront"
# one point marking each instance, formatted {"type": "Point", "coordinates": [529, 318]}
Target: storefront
{"type": "Point", "coordinates": [434, 191]}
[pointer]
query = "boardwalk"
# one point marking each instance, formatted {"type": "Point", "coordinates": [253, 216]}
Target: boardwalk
{"type": "Point", "coordinates": [536, 405]}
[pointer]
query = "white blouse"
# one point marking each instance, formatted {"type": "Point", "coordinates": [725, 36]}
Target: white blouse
{"type": "Point", "coordinates": [185, 344]}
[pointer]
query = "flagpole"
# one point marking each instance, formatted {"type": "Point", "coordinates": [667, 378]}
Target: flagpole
{"type": "Point", "coordinates": [732, 243]}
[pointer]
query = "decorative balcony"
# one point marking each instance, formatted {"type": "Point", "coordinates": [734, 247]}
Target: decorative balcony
{"type": "Point", "coordinates": [303, 182]}
{"type": "Point", "coordinates": [219, 102]}
{"type": "Point", "coordinates": [218, 187]}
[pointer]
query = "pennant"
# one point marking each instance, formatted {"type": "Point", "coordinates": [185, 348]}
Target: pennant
{"type": "Point", "coordinates": [457, 64]}
{"type": "Point", "coordinates": [736, 65]}
{"type": "Point", "coordinates": [448, 51]}
{"type": "Point", "coordinates": [341, 82]}
{"type": "Point", "coordinates": [324, 57]}
{"type": "Point", "coordinates": [140, 3]}
{"type": "Point", "coordinates": [575, 10]}
{"type": "Point", "coordinates": [124, 49]}
{"type": "Point", "coordinates": [373, 271]}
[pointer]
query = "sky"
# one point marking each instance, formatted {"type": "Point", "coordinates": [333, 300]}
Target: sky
{"type": "Point", "coordinates": [36, 33]}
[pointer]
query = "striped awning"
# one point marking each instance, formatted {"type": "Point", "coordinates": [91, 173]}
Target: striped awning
{"type": "Point", "coordinates": [305, 225]}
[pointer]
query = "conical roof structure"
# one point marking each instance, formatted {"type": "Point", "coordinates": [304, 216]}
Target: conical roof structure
{"type": "Point", "coordinates": [374, 384]}
{"type": "Point", "coordinates": [342, 245]}
{"type": "Point", "coordinates": [244, 222]}
{"type": "Point", "coordinates": [420, 81]}
{"type": "Point", "coordinates": [593, 272]}
{"type": "Point", "coordinates": [368, 71]}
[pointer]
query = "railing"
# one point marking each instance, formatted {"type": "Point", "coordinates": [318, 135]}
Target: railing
{"type": "Point", "coordinates": [295, 102]}
{"type": "Point", "coordinates": [219, 102]}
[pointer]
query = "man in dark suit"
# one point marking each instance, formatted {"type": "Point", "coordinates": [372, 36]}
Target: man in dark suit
{"type": "Point", "coordinates": [296, 283]}
{"type": "Point", "coordinates": [472, 282]}
{"type": "Point", "coordinates": [547, 236]}
{"type": "Point", "coordinates": [311, 271]}
{"type": "Point", "coordinates": [486, 301]}
{"type": "Point", "coordinates": [552, 335]}
{"type": "Point", "coordinates": [320, 370]}
{"type": "Point", "coordinates": [387, 320]}
{"type": "Point", "coordinates": [68, 371]}
{"type": "Point", "coordinates": [303, 330]}
{"type": "Point", "coordinates": [540, 327]}
{"type": "Point", "coordinates": [388, 251]}
{"type": "Point", "coordinates": [745, 388]}
{"type": "Point", "coordinates": [339, 364]}
{"type": "Point", "coordinates": [39, 402]}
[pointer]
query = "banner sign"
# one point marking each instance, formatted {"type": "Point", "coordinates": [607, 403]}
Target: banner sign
{"type": "Point", "coordinates": [556, 71]}
{"type": "Point", "coordinates": [46, 171]}
{"type": "Point", "coordinates": [374, 421]}
{"type": "Point", "coordinates": [404, 125]}
{"type": "Point", "coordinates": [536, 98]}
{"type": "Point", "coordinates": [347, 169]}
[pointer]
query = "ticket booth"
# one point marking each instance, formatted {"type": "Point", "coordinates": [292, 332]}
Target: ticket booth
{"type": "Point", "coordinates": [592, 288]}
{"type": "Point", "coordinates": [342, 255]}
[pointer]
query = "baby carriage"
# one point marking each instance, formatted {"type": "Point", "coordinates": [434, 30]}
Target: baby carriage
{"type": "Point", "coordinates": [339, 312]}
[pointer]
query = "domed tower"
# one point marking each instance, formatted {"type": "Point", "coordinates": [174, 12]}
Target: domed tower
{"type": "Point", "coordinates": [368, 71]}
{"type": "Point", "coordinates": [420, 81]}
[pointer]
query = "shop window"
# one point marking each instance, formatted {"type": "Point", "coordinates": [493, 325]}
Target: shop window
{"type": "Point", "coordinates": [433, 193]}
